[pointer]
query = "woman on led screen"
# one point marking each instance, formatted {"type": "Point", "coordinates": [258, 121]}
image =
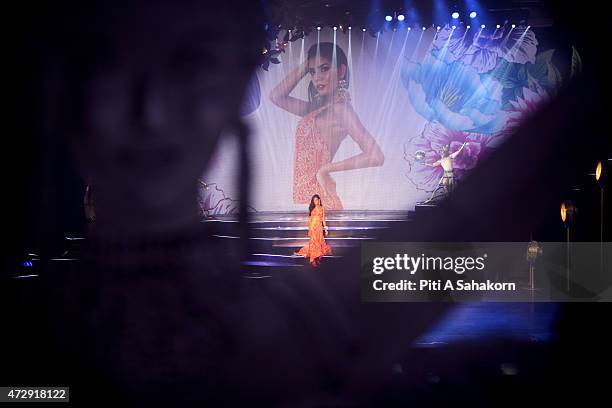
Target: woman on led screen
{"type": "Point", "coordinates": [327, 118]}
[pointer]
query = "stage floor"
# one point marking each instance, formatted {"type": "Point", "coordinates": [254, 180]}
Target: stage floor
{"type": "Point", "coordinates": [275, 235]}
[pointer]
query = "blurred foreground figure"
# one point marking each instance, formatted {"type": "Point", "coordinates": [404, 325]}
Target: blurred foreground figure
{"type": "Point", "coordinates": [160, 312]}
{"type": "Point", "coordinates": [159, 82]}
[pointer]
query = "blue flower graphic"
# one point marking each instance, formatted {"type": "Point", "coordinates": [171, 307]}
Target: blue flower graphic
{"type": "Point", "coordinates": [455, 95]}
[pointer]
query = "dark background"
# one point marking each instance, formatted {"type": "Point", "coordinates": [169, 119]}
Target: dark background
{"type": "Point", "coordinates": [42, 201]}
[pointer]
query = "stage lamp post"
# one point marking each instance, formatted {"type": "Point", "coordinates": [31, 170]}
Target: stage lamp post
{"type": "Point", "coordinates": [567, 216]}
{"type": "Point", "coordinates": [534, 250]}
{"type": "Point", "coordinates": [600, 179]}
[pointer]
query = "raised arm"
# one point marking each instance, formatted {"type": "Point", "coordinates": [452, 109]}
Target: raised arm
{"type": "Point", "coordinates": [453, 155]}
{"type": "Point", "coordinates": [371, 155]}
{"type": "Point", "coordinates": [280, 94]}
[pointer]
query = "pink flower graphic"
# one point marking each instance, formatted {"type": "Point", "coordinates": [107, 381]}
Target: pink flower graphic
{"type": "Point", "coordinates": [431, 140]}
{"type": "Point", "coordinates": [523, 108]}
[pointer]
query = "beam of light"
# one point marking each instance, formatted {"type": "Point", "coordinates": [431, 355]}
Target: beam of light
{"type": "Point", "coordinates": [497, 72]}
{"type": "Point", "coordinates": [389, 50]}
{"type": "Point", "coordinates": [443, 51]}
{"type": "Point", "coordinates": [390, 100]}
{"type": "Point", "coordinates": [517, 44]}
{"type": "Point", "coordinates": [302, 52]}
{"type": "Point", "coordinates": [360, 66]}
{"type": "Point", "coordinates": [376, 47]}
{"type": "Point", "coordinates": [334, 64]}
{"type": "Point", "coordinates": [349, 57]}
{"type": "Point", "coordinates": [465, 33]}
{"type": "Point", "coordinates": [417, 45]}
{"type": "Point", "coordinates": [505, 40]}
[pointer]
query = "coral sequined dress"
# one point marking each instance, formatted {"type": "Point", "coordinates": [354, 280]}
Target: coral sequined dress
{"type": "Point", "coordinates": [312, 151]}
{"type": "Point", "coordinates": [316, 247]}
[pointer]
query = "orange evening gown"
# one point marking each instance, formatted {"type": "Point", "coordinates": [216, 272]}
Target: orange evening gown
{"type": "Point", "coordinates": [311, 153]}
{"type": "Point", "coordinates": [316, 247]}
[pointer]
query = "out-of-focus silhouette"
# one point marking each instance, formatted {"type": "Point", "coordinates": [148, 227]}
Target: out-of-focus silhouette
{"type": "Point", "coordinates": [158, 307]}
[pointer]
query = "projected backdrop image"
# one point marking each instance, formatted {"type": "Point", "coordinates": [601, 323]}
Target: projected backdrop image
{"type": "Point", "coordinates": [361, 119]}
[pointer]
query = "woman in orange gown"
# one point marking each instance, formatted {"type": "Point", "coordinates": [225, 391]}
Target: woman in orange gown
{"type": "Point", "coordinates": [316, 247]}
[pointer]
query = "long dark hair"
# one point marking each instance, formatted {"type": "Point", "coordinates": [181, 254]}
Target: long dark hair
{"type": "Point", "coordinates": [326, 50]}
{"type": "Point", "coordinates": [312, 204]}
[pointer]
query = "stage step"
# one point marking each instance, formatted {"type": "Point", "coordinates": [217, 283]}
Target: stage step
{"type": "Point", "coordinates": [280, 234]}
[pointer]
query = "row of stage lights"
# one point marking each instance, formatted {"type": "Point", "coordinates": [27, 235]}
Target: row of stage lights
{"type": "Point", "coordinates": [335, 28]}
{"type": "Point", "coordinates": [454, 15]}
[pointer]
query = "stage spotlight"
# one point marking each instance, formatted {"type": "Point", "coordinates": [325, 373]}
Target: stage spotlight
{"type": "Point", "coordinates": [473, 14]}
{"type": "Point", "coordinates": [498, 26]}
{"type": "Point", "coordinates": [350, 28]}
{"type": "Point", "coordinates": [513, 25]}
{"type": "Point", "coordinates": [319, 28]}
{"type": "Point", "coordinates": [400, 17]}
{"type": "Point", "coordinates": [438, 28]}
{"type": "Point", "coordinates": [424, 29]}
{"type": "Point", "coordinates": [567, 213]}
{"type": "Point", "coordinates": [598, 171]}
{"type": "Point", "coordinates": [482, 26]}
{"type": "Point", "coordinates": [455, 15]}
{"type": "Point", "coordinates": [335, 28]}
{"type": "Point", "coordinates": [388, 18]}
{"type": "Point", "coordinates": [363, 29]}
{"type": "Point", "coordinates": [408, 28]}
{"type": "Point", "coordinates": [454, 27]}
{"type": "Point", "coordinates": [468, 27]}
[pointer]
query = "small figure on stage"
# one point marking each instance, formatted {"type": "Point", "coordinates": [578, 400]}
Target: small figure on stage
{"type": "Point", "coordinates": [447, 182]}
{"type": "Point", "coordinates": [316, 247]}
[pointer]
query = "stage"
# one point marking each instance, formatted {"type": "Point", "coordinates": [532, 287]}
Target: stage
{"type": "Point", "coordinates": [274, 236]}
